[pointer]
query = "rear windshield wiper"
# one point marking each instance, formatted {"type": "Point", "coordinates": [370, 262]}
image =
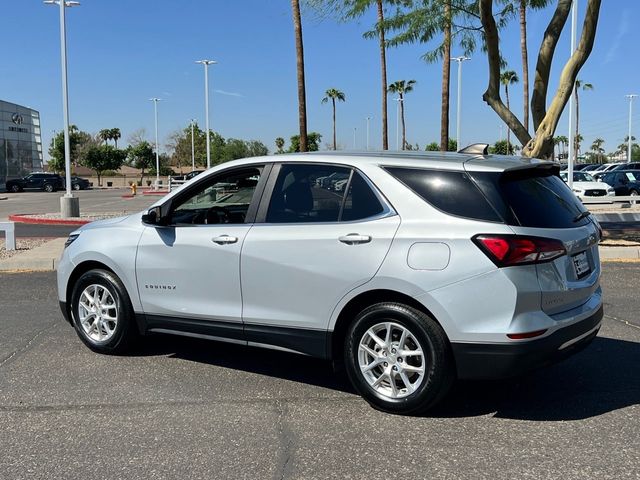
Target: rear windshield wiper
{"type": "Point", "coordinates": [581, 215]}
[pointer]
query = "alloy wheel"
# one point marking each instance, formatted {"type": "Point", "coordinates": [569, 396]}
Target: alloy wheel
{"type": "Point", "coordinates": [98, 313]}
{"type": "Point", "coordinates": [391, 360]}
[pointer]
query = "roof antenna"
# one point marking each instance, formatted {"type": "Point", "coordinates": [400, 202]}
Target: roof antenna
{"type": "Point", "coordinates": [476, 149]}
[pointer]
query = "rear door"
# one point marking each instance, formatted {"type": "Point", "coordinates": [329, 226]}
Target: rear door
{"type": "Point", "coordinates": [536, 202]}
{"type": "Point", "coordinates": [309, 247]}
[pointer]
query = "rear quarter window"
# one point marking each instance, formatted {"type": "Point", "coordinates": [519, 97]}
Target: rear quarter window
{"type": "Point", "coordinates": [452, 192]}
{"type": "Point", "coordinates": [532, 198]}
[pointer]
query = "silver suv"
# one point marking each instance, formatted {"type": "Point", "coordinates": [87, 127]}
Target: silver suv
{"type": "Point", "coordinates": [419, 270]}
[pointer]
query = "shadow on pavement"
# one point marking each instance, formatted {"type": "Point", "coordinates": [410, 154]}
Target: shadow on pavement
{"type": "Point", "coordinates": [602, 378]}
{"type": "Point", "coordinates": [262, 361]}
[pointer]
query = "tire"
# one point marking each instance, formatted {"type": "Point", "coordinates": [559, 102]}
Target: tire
{"type": "Point", "coordinates": [422, 333]}
{"type": "Point", "coordinates": [49, 188]}
{"type": "Point", "coordinates": [15, 188]}
{"type": "Point", "coordinates": [109, 337]}
{"type": "Point", "coordinates": [633, 193]}
{"type": "Point", "coordinates": [76, 187]}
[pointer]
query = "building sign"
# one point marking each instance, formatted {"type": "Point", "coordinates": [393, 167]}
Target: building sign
{"type": "Point", "coordinates": [19, 129]}
{"type": "Point", "coordinates": [17, 119]}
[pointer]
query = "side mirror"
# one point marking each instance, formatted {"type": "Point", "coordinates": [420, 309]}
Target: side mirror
{"type": "Point", "coordinates": [152, 217]}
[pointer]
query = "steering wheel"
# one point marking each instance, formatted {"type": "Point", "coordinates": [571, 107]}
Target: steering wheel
{"type": "Point", "coordinates": [216, 215]}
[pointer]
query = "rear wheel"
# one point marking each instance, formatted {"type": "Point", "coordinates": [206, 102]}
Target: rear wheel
{"type": "Point", "coordinates": [15, 188]}
{"type": "Point", "coordinates": [633, 193]}
{"type": "Point", "coordinates": [48, 188]}
{"type": "Point", "coordinates": [76, 186]}
{"type": "Point", "coordinates": [398, 358]}
{"type": "Point", "coordinates": [102, 313]}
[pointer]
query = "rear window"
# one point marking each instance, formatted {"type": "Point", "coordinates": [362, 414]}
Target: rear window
{"type": "Point", "coordinates": [532, 198]}
{"type": "Point", "coordinates": [452, 192]}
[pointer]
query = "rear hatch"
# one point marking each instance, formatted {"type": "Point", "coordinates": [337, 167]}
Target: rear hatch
{"type": "Point", "coordinates": [534, 201]}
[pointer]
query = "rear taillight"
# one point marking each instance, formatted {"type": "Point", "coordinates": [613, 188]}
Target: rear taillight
{"type": "Point", "coordinates": [509, 250]}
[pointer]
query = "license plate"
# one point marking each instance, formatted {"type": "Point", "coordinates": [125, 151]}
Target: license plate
{"type": "Point", "coordinates": [581, 264]}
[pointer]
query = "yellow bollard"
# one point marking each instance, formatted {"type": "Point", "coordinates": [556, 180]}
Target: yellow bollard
{"type": "Point", "coordinates": [133, 188]}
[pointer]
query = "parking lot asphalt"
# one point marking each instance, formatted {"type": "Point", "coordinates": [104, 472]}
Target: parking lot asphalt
{"type": "Point", "coordinates": [181, 408]}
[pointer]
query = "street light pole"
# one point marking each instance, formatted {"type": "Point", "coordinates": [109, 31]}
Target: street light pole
{"type": "Point", "coordinates": [398, 123]}
{"type": "Point", "coordinates": [69, 205]}
{"type": "Point", "coordinates": [354, 137]}
{"type": "Point", "coordinates": [459, 107]}
{"type": "Point", "coordinates": [574, 22]}
{"type": "Point", "coordinates": [368, 119]}
{"type": "Point", "coordinates": [155, 110]}
{"type": "Point", "coordinates": [206, 64]}
{"type": "Point", "coordinates": [193, 149]}
{"type": "Point", "coordinates": [630, 97]}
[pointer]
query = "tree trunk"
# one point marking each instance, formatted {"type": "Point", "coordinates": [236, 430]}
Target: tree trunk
{"type": "Point", "coordinates": [302, 101]}
{"type": "Point", "coordinates": [545, 120]}
{"type": "Point", "coordinates": [404, 136]}
{"type": "Point", "coordinates": [446, 71]}
{"type": "Point", "coordinates": [383, 68]}
{"type": "Point", "coordinates": [333, 102]}
{"type": "Point", "coordinates": [525, 62]}
{"type": "Point", "coordinates": [506, 94]}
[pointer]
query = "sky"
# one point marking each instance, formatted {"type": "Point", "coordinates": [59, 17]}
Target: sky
{"type": "Point", "coordinates": [121, 53]}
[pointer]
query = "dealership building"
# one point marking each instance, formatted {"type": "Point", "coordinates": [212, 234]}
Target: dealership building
{"type": "Point", "coordinates": [20, 141]}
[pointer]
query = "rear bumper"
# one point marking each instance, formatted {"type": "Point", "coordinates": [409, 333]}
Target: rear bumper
{"type": "Point", "coordinates": [491, 361]}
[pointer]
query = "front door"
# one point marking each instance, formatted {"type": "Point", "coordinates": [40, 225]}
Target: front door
{"type": "Point", "coordinates": [188, 272]}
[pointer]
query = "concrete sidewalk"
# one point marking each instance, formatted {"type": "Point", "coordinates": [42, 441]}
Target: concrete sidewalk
{"type": "Point", "coordinates": [45, 257]}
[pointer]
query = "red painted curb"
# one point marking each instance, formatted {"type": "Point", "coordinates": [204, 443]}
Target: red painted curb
{"type": "Point", "coordinates": [22, 218]}
{"type": "Point", "coordinates": [128, 195]}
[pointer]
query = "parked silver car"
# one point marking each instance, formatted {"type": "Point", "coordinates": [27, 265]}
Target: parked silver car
{"type": "Point", "coordinates": [425, 268]}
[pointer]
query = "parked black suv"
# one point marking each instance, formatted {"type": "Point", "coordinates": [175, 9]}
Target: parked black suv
{"type": "Point", "coordinates": [48, 182]}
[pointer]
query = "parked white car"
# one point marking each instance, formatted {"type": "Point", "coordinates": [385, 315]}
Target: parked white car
{"type": "Point", "coordinates": [584, 185]}
{"type": "Point", "coordinates": [424, 268]}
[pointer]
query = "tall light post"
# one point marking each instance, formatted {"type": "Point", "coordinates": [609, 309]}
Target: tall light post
{"type": "Point", "coordinates": [206, 64]}
{"type": "Point", "coordinates": [398, 123]}
{"type": "Point", "coordinates": [368, 120]}
{"type": "Point", "coordinates": [155, 111]}
{"type": "Point", "coordinates": [574, 22]}
{"type": "Point", "coordinates": [55, 134]}
{"type": "Point", "coordinates": [459, 111]}
{"type": "Point", "coordinates": [69, 205]}
{"type": "Point", "coordinates": [355, 129]}
{"type": "Point", "coordinates": [630, 97]}
{"type": "Point", "coordinates": [193, 148]}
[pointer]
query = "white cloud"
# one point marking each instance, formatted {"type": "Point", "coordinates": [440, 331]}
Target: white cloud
{"type": "Point", "coordinates": [230, 94]}
{"type": "Point", "coordinates": [623, 29]}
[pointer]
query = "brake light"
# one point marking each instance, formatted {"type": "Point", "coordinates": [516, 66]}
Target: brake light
{"type": "Point", "coordinates": [509, 250]}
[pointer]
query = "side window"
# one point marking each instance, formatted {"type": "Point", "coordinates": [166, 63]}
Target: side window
{"type": "Point", "coordinates": [361, 201]}
{"type": "Point", "coordinates": [452, 192]}
{"type": "Point", "coordinates": [225, 198]}
{"type": "Point", "coordinates": [308, 193]}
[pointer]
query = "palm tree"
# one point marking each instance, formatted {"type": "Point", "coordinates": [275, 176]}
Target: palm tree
{"type": "Point", "coordinates": [446, 75]}
{"type": "Point", "coordinates": [333, 95]}
{"type": "Point", "coordinates": [564, 141]}
{"type": "Point", "coordinates": [508, 77]}
{"type": "Point", "coordinates": [596, 147]}
{"type": "Point", "coordinates": [280, 144]}
{"type": "Point", "coordinates": [302, 97]}
{"type": "Point", "coordinates": [578, 86]}
{"type": "Point", "coordinates": [115, 135]}
{"type": "Point", "coordinates": [401, 87]}
{"type": "Point", "coordinates": [104, 135]}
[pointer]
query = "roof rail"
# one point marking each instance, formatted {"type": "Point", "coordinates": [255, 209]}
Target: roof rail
{"type": "Point", "coordinates": [476, 149]}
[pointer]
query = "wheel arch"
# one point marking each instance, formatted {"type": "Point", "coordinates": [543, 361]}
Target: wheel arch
{"type": "Point", "coordinates": [359, 303]}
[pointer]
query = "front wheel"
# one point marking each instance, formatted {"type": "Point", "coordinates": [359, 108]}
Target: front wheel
{"type": "Point", "coordinates": [398, 358]}
{"type": "Point", "coordinates": [102, 313]}
{"type": "Point", "coordinates": [633, 193]}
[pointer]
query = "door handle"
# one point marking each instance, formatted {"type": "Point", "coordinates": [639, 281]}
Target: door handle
{"type": "Point", "coordinates": [354, 239]}
{"type": "Point", "coordinates": [224, 240]}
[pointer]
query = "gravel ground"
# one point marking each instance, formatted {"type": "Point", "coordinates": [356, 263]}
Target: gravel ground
{"type": "Point", "coordinates": [22, 244]}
